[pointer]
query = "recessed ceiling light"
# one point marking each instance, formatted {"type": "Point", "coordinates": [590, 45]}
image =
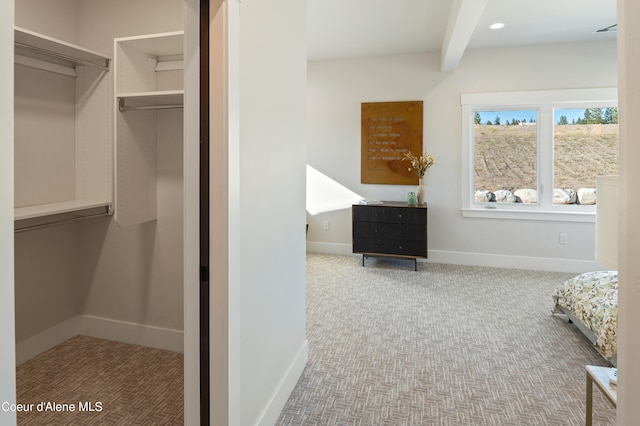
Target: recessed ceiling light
{"type": "Point", "coordinates": [496, 26]}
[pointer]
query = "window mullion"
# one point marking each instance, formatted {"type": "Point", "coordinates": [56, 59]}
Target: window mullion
{"type": "Point", "coordinates": [545, 157]}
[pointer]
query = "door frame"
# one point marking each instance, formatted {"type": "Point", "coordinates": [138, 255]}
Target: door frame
{"type": "Point", "coordinates": [191, 202]}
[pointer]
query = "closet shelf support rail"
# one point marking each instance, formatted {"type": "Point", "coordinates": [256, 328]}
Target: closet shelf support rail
{"type": "Point", "coordinates": [106, 65]}
{"type": "Point", "coordinates": [60, 219]}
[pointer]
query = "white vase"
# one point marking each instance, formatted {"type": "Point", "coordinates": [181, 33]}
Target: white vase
{"type": "Point", "coordinates": [420, 193]}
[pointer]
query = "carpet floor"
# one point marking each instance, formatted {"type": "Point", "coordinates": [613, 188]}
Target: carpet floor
{"type": "Point", "coordinates": [89, 381]}
{"type": "Point", "coordinates": [447, 345]}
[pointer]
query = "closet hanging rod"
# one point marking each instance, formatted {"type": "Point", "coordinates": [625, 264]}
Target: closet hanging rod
{"type": "Point", "coordinates": [108, 212]}
{"type": "Point", "coordinates": [122, 107]}
{"type": "Point", "coordinates": [62, 56]}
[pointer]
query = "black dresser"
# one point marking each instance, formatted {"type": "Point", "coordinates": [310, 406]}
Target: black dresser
{"type": "Point", "coordinates": [390, 229]}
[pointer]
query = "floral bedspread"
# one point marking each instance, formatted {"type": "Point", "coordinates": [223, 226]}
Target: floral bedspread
{"type": "Point", "coordinates": [592, 297]}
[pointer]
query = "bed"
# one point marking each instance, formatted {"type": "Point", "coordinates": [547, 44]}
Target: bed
{"type": "Point", "coordinates": [590, 301]}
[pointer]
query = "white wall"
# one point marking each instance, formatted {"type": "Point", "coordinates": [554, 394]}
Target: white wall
{"type": "Point", "coordinates": [7, 338]}
{"type": "Point", "coordinates": [50, 293]}
{"type": "Point", "coordinates": [56, 19]}
{"type": "Point", "coordinates": [135, 273]}
{"type": "Point", "coordinates": [336, 89]}
{"type": "Point", "coordinates": [269, 349]}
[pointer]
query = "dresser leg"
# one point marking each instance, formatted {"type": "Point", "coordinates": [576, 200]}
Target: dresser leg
{"type": "Point", "coordinates": [363, 260]}
{"type": "Point", "coordinates": [415, 264]}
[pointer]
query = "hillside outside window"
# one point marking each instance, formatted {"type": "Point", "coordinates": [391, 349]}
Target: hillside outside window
{"type": "Point", "coordinates": [535, 155]}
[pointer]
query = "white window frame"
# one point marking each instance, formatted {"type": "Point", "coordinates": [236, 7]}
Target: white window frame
{"type": "Point", "coordinates": [545, 102]}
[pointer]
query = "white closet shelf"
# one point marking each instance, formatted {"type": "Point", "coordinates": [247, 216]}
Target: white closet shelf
{"type": "Point", "coordinates": [73, 206]}
{"type": "Point", "coordinates": [150, 100]}
{"type": "Point", "coordinates": [158, 45]}
{"type": "Point", "coordinates": [41, 47]}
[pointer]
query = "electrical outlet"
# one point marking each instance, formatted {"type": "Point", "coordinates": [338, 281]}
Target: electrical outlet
{"type": "Point", "coordinates": [325, 225]}
{"type": "Point", "coordinates": [562, 238]}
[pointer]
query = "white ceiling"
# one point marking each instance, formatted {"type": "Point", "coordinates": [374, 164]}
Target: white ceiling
{"type": "Point", "coordinates": [350, 28]}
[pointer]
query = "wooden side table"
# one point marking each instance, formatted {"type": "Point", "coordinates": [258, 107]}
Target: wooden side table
{"type": "Point", "coordinates": [599, 376]}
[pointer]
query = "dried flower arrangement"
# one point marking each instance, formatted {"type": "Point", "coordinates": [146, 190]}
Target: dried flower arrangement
{"type": "Point", "coordinates": [420, 164]}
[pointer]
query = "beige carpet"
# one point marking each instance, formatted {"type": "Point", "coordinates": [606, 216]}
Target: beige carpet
{"type": "Point", "coordinates": [447, 345]}
{"type": "Point", "coordinates": [123, 384]}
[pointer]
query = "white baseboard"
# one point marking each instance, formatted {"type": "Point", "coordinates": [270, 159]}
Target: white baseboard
{"type": "Point", "coordinates": [45, 340]}
{"type": "Point", "coordinates": [516, 262]}
{"type": "Point", "coordinates": [479, 259]}
{"type": "Point", "coordinates": [329, 248]}
{"type": "Point", "coordinates": [137, 334]}
{"type": "Point", "coordinates": [102, 328]}
{"type": "Point", "coordinates": [272, 410]}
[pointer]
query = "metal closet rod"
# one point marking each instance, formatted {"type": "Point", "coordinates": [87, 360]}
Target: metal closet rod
{"type": "Point", "coordinates": [108, 212]}
{"type": "Point", "coordinates": [122, 107]}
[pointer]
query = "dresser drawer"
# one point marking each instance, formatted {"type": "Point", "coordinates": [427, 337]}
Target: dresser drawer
{"type": "Point", "coordinates": [394, 247]}
{"type": "Point", "coordinates": [390, 214]}
{"type": "Point", "coordinates": [390, 231]}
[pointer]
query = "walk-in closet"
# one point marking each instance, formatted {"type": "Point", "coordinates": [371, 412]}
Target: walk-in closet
{"type": "Point", "coordinates": [98, 158]}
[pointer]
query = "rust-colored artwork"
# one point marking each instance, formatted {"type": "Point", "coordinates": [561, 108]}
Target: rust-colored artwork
{"type": "Point", "coordinates": [388, 130]}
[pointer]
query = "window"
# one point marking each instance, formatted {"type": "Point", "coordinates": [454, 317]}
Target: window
{"type": "Point", "coordinates": [505, 153]}
{"type": "Point", "coordinates": [585, 145]}
{"type": "Point", "coordinates": [535, 155]}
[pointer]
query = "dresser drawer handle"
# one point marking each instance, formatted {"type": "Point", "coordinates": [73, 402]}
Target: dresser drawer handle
{"type": "Point", "coordinates": [377, 245]}
{"type": "Point", "coordinates": [400, 247]}
{"type": "Point", "coordinates": [400, 215]}
{"type": "Point", "coordinates": [376, 230]}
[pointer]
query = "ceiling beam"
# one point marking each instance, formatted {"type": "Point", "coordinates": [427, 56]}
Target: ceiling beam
{"type": "Point", "coordinates": [463, 19]}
